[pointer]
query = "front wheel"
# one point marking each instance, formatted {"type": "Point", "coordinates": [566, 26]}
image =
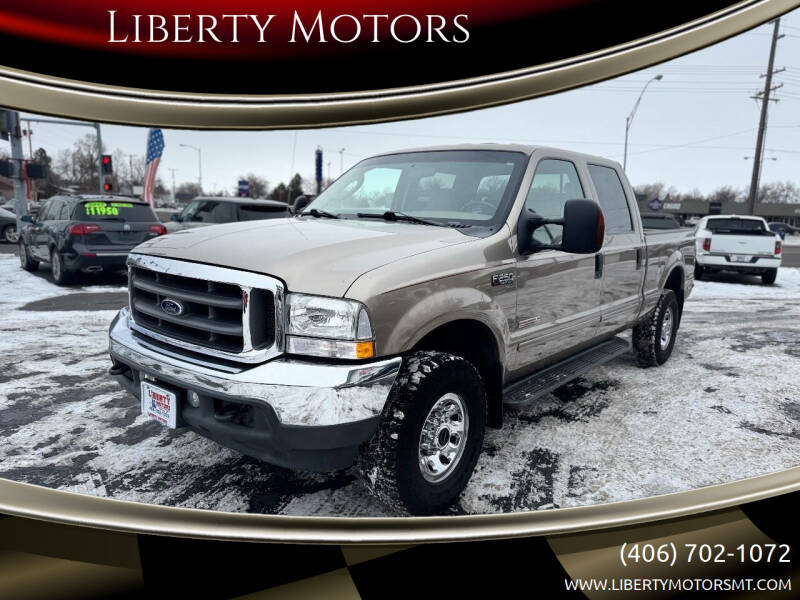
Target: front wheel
{"type": "Point", "coordinates": [10, 234]}
{"type": "Point", "coordinates": [430, 435]}
{"type": "Point", "coordinates": [25, 260]}
{"type": "Point", "coordinates": [654, 337]}
{"type": "Point", "coordinates": [768, 277]}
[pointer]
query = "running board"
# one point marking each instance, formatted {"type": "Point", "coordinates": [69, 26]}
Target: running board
{"type": "Point", "coordinates": [545, 381]}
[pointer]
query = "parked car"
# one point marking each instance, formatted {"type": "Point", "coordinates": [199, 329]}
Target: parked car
{"type": "Point", "coordinates": [389, 321]}
{"type": "Point", "coordinates": [783, 229]}
{"type": "Point", "coordinates": [742, 244]}
{"type": "Point", "coordinates": [203, 211]}
{"type": "Point", "coordinates": [659, 221]}
{"type": "Point", "coordinates": [86, 233]}
{"type": "Point", "coordinates": [8, 226]}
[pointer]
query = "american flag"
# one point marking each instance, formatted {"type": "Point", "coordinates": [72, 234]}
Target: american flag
{"type": "Point", "coordinates": [155, 147]}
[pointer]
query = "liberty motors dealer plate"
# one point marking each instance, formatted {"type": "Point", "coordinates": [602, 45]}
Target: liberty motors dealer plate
{"type": "Point", "coordinates": [159, 404]}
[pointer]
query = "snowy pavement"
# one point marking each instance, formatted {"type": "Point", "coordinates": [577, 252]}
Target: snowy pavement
{"type": "Point", "coordinates": [725, 407]}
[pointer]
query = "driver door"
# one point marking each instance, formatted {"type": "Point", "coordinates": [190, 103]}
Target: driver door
{"type": "Point", "coordinates": [558, 297]}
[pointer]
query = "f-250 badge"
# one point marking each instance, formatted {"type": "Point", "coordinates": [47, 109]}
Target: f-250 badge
{"type": "Point", "coordinates": [502, 279]}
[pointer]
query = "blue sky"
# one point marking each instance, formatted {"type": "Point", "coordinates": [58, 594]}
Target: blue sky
{"type": "Point", "coordinates": [693, 129]}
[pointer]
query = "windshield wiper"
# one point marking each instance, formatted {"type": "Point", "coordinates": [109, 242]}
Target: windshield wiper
{"type": "Point", "coordinates": [319, 213]}
{"type": "Point", "coordinates": [391, 215]}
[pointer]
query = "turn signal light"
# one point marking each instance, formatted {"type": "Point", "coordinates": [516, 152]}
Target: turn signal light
{"type": "Point", "coordinates": [81, 229]}
{"type": "Point", "coordinates": [707, 244]}
{"type": "Point", "coordinates": [365, 349]}
{"type": "Point", "coordinates": [778, 247]}
{"type": "Point", "coordinates": [158, 229]}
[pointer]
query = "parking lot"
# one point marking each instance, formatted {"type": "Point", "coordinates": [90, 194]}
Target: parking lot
{"type": "Point", "coordinates": [725, 407]}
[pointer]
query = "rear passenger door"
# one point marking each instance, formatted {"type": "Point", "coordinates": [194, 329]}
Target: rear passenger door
{"type": "Point", "coordinates": [40, 232]}
{"type": "Point", "coordinates": [558, 295]}
{"type": "Point", "coordinates": [623, 251]}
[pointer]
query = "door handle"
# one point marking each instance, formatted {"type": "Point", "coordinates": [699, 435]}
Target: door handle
{"type": "Point", "coordinates": [599, 263]}
{"type": "Point", "coordinates": [639, 256]}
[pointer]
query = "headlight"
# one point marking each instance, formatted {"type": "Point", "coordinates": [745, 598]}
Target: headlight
{"type": "Point", "coordinates": [328, 327]}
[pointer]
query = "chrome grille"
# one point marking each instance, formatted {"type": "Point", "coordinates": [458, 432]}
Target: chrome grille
{"type": "Point", "coordinates": [223, 312]}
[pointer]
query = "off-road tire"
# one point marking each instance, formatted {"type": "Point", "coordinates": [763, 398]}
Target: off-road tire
{"type": "Point", "coordinates": [57, 269]}
{"type": "Point", "coordinates": [768, 277]}
{"type": "Point", "coordinates": [698, 272]}
{"type": "Point", "coordinates": [25, 261]}
{"type": "Point", "coordinates": [389, 462]}
{"type": "Point", "coordinates": [647, 333]}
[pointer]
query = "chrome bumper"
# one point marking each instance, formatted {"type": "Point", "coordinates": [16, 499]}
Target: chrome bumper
{"type": "Point", "coordinates": [300, 392]}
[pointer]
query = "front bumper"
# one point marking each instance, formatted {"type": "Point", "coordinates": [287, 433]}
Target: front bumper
{"type": "Point", "coordinates": [295, 413]}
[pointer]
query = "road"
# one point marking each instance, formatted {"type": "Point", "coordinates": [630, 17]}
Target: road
{"type": "Point", "coordinates": [726, 406]}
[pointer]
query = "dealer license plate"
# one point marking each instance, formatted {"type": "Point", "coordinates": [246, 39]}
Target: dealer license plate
{"type": "Point", "coordinates": [745, 258]}
{"type": "Point", "coordinates": [159, 404]}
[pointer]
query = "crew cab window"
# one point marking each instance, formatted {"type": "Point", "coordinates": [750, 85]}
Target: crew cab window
{"type": "Point", "coordinates": [611, 196]}
{"type": "Point", "coordinates": [207, 211]}
{"type": "Point", "coordinates": [254, 212]}
{"type": "Point", "coordinates": [554, 182]}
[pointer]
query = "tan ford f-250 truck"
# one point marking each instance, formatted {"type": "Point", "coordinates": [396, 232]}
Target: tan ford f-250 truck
{"type": "Point", "coordinates": [389, 322]}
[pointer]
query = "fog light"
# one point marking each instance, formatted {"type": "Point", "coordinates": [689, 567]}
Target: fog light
{"type": "Point", "coordinates": [194, 399]}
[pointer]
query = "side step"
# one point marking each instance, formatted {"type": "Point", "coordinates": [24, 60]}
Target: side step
{"type": "Point", "coordinates": [554, 376]}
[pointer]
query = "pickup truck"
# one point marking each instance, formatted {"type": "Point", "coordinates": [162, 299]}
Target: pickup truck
{"type": "Point", "coordinates": [389, 321]}
{"type": "Point", "coordinates": [743, 244]}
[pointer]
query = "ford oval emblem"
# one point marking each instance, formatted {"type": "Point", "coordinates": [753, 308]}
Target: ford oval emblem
{"type": "Point", "coordinates": [172, 307]}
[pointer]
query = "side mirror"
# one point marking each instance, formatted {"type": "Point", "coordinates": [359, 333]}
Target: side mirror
{"type": "Point", "coordinates": [174, 217]}
{"type": "Point", "coordinates": [300, 203]}
{"type": "Point", "coordinates": [26, 219]}
{"type": "Point", "coordinates": [583, 233]}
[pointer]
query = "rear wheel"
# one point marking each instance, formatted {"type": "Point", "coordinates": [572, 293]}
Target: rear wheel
{"type": "Point", "coordinates": [60, 274]}
{"type": "Point", "coordinates": [768, 277]}
{"type": "Point", "coordinates": [654, 337]}
{"type": "Point", "coordinates": [430, 435]}
{"type": "Point", "coordinates": [25, 260]}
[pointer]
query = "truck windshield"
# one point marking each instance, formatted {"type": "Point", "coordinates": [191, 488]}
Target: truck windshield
{"type": "Point", "coordinates": [736, 226]}
{"type": "Point", "coordinates": [454, 187]}
{"type": "Point", "coordinates": [102, 210]}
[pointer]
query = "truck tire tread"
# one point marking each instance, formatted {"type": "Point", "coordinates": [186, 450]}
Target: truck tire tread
{"type": "Point", "coordinates": [646, 333]}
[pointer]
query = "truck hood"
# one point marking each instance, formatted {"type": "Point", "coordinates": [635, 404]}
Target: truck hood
{"type": "Point", "coordinates": [310, 255]}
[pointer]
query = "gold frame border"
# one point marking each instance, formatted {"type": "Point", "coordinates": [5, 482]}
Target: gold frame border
{"type": "Point", "coordinates": [36, 502]}
{"type": "Point", "coordinates": [63, 97]}
{"type": "Point", "coordinates": [37, 93]}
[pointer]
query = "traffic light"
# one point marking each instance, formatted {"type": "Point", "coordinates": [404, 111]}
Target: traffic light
{"type": "Point", "coordinates": [108, 167]}
{"type": "Point", "coordinates": [5, 124]}
{"type": "Point", "coordinates": [35, 170]}
{"type": "Point", "coordinates": [108, 185]}
{"type": "Point", "coordinates": [6, 168]}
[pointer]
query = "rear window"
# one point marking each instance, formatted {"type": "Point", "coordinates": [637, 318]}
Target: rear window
{"type": "Point", "coordinates": [254, 212]}
{"type": "Point", "coordinates": [736, 226]}
{"type": "Point", "coordinates": [101, 210]}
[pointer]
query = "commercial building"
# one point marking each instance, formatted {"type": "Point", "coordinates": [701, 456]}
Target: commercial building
{"type": "Point", "coordinates": [694, 209]}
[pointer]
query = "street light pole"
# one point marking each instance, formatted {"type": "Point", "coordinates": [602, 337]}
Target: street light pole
{"type": "Point", "coordinates": [341, 161]}
{"type": "Point", "coordinates": [629, 120]}
{"type": "Point", "coordinates": [199, 164]}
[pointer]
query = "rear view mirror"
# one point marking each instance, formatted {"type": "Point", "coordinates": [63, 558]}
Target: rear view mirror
{"type": "Point", "coordinates": [26, 219]}
{"type": "Point", "coordinates": [584, 227]}
{"type": "Point", "coordinates": [300, 203]}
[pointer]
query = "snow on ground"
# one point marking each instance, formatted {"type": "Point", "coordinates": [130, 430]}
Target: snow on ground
{"type": "Point", "coordinates": [725, 407]}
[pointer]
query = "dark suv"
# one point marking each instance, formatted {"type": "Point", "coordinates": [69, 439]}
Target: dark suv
{"type": "Point", "coordinates": [86, 233]}
{"type": "Point", "coordinates": [212, 210]}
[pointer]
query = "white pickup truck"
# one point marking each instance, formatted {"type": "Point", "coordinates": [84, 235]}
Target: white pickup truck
{"type": "Point", "coordinates": [743, 244]}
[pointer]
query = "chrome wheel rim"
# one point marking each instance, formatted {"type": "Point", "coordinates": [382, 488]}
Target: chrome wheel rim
{"type": "Point", "coordinates": [443, 438]}
{"type": "Point", "coordinates": [11, 235]}
{"type": "Point", "coordinates": [666, 328]}
{"type": "Point", "coordinates": [56, 266]}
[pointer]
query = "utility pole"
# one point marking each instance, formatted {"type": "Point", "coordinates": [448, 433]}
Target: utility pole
{"type": "Point", "coordinates": [173, 184]}
{"type": "Point", "coordinates": [99, 159]}
{"type": "Point", "coordinates": [31, 182]}
{"type": "Point", "coordinates": [20, 195]}
{"type": "Point", "coordinates": [755, 180]}
{"type": "Point", "coordinates": [341, 161]}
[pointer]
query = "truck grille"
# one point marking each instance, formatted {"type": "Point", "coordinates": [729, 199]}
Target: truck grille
{"type": "Point", "coordinates": [216, 315]}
